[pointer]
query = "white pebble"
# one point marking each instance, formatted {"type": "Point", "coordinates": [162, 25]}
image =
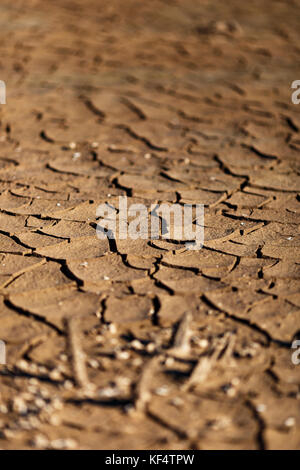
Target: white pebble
{"type": "Point", "coordinates": [261, 408]}
{"type": "Point", "coordinates": [290, 422]}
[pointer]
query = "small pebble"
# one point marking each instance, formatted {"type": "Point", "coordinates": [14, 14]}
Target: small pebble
{"type": "Point", "coordinates": [59, 444]}
{"type": "Point", "coordinates": [203, 343]}
{"type": "Point", "coordinates": [150, 347]}
{"type": "Point", "coordinates": [112, 328]}
{"type": "Point", "coordinates": [123, 355]}
{"type": "Point", "coordinates": [136, 344]}
{"type": "Point", "coordinates": [290, 422]}
{"type": "Point", "coordinates": [162, 391]}
{"type": "Point", "coordinates": [261, 408]}
{"type": "Point", "coordinates": [176, 401]}
{"type": "Point", "coordinates": [76, 155]}
{"type": "Point", "coordinates": [40, 441]}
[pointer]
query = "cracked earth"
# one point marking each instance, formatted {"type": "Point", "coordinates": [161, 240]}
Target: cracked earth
{"type": "Point", "coordinates": [142, 344]}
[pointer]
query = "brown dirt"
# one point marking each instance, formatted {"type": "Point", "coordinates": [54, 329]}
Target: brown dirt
{"type": "Point", "coordinates": [187, 101]}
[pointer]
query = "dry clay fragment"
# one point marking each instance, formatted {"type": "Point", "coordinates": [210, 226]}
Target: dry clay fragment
{"type": "Point", "coordinates": [56, 304]}
{"type": "Point", "coordinates": [77, 167]}
{"type": "Point", "coordinates": [278, 200]}
{"type": "Point", "coordinates": [267, 215]}
{"type": "Point", "coordinates": [8, 245]}
{"type": "Point", "coordinates": [232, 247]}
{"type": "Point", "coordinates": [128, 309]}
{"type": "Point", "coordinates": [285, 269]}
{"type": "Point", "coordinates": [243, 157]}
{"type": "Point", "coordinates": [154, 195]}
{"type": "Point", "coordinates": [282, 252]}
{"type": "Point", "coordinates": [146, 286]}
{"type": "Point", "coordinates": [197, 196]}
{"type": "Point", "coordinates": [109, 267]}
{"type": "Point", "coordinates": [272, 180]}
{"type": "Point", "coordinates": [12, 223]}
{"type": "Point", "coordinates": [208, 262]}
{"type": "Point", "coordinates": [166, 245]}
{"type": "Point", "coordinates": [137, 247]}
{"type": "Point", "coordinates": [43, 207]}
{"type": "Point", "coordinates": [221, 228]}
{"type": "Point", "coordinates": [12, 265]}
{"type": "Point", "coordinates": [42, 191]}
{"type": "Point", "coordinates": [272, 234]}
{"type": "Point", "coordinates": [248, 268]}
{"type": "Point", "coordinates": [33, 222]}
{"type": "Point", "coordinates": [172, 308]}
{"type": "Point", "coordinates": [85, 247]}
{"type": "Point", "coordinates": [9, 202]}
{"type": "Point", "coordinates": [235, 302]}
{"type": "Point", "coordinates": [47, 352]}
{"type": "Point", "coordinates": [149, 183]}
{"type": "Point", "coordinates": [140, 262]}
{"type": "Point", "coordinates": [37, 240]}
{"type": "Point", "coordinates": [45, 276]}
{"type": "Point", "coordinates": [279, 318]}
{"type": "Point", "coordinates": [69, 229]}
{"type": "Point", "coordinates": [183, 281]}
{"type": "Point", "coordinates": [212, 180]}
{"type": "Point", "coordinates": [18, 332]}
{"type": "Point", "coordinates": [82, 212]}
{"type": "Point", "coordinates": [284, 287]}
{"type": "Point", "coordinates": [242, 199]}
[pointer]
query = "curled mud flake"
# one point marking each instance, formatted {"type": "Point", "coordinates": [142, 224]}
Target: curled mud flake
{"type": "Point", "coordinates": [181, 345]}
{"type": "Point", "coordinates": [77, 355]}
{"type": "Point", "coordinates": [206, 364]}
{"type": "Point", "coordinates": [143, 389]}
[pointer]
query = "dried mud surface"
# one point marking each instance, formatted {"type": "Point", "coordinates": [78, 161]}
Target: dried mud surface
{"type": "Point", "coordinates": [144, 345]}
